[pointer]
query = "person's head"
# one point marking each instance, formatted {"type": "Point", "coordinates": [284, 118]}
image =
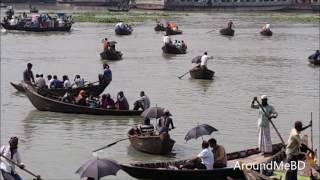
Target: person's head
{"type": "Point", "coordinates": [64, 77]}
{"type": "Point", "coordinates": [298, 126]}
{"type": "Point", "coordinates": [82, 93]}
{"type": "Point", "coordinates": [41, 75]}
{"type": "Point", "coordinates": [142, 93]}
{"type": "Point", "coordinates": [264, 100]}
{"type": "Point", "coordinates": [317, 51]}
{"type": "Point", "coordinates": [166, 112]}
{"type": "Point", "coordinates": [13, 142]}
{"type": "Point", "coordinates": [182, 41]}
{"type": "Point", "coordinates": [205, 144]}
{"type": "Point", "coordinates": [29, 66]}
{"type": "Point", "coordinates": [176, 41]}
{"type": "Point", "coordinates": [49, 77]}
{"type": "Point", "coordinates": [55, 77]}
{"type": "Point", "coordinates": [37, 75]}
{"type": "Point", "coordinates": [77, 76]}
{"type": "Point", "coordinates": [108, 96]}
{"type": "Point", "coordinates": [106, 39]}
{"type": "Point", "coordinates": [105, 66]}
{"type": "Point", "coordinates": [212, 142]}
{"type": "Point", "coordinates": [121, 94]}
{"type": "Point", "coordinates": [104, 96]}
{"type": "Point", "coordinates": [205, 53]}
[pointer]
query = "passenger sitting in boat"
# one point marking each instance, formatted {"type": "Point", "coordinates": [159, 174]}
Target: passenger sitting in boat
{"type": "Point", "coordinates": [28, 74]}
{"type": "Point", "coordinates": [183, 45]}
{"type": "Point", "coordinates": [56, 83]}
{"type": "Point", "coordinates": [41, 82]}
{"type": "Point", "coordinates": [92, 102]}
{"type": "Point", "coordinates": [122, 103]}
{"type": "Point", "coordinates": [220, 156]}
{"type": "Point", "coordinates": [315, 56]}
{"type": "Point", "coordinates": [24, 15]}
{"type": "Point", "coordinates": [78, 81]}
{"type": "Point", "coordinates": [67, 98]}
{"type": "Point", "coordinates": [165, 122]}
{"type": "Point", "coordinates": [169, 26]}
{"type": "Point", "coordinates": [9, 12]}
{"type": "Point", "coordinates": [107, 74]}
{"type": "Point", "coordinates": [167, 39]}
{"type": "Point", "coordinates": [204, 60]}
{"type": "Point", "coordinates": [105, 44]}
{"type": "Point", "coordinates": [49, 77]}
{"type": "Point", "coordinates": [66, 82]}
{"type": "Point", "coordinates": [204, 159]}
{"type": "Point", "coordinates": [107, 102]}
{"type": "Point", "coordinates": [143, 102]}
{"type": "Point", "coordinates": [266, 27]}
{"type": "Point", "coordinates": [81, 98]}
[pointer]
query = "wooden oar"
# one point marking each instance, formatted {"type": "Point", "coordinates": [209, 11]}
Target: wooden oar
{"type": "Point", "coordinates": [269, 118]}
{"type": "Point", "coordinates": [311, 129]}
{"type": "Point", "coordinates": [183, 75]}
{"type": "Point", "coordinates": [109, 145]}
{"type": "Point", "coordinates": [31, 173]}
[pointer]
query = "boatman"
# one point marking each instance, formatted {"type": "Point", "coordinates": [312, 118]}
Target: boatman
{"type": "Point", "coordinates": [28, 74]}
{"type": "Point", "coordinates": [266, 27]}
{"type": "Point", "coordinates": [167, 39]}
{"type": "Point", "coordinates": [204, 60]}
{"type": "Point", "coordinates": [293, 152]}
{"type": "Point", "coordinates": [10, 152]}
{"type": "Point", "coordinates": [165, 122]}
{"type": "Point", "coordinates": [107, 74]}
{"type": "Point", "coordinates": [265, 144]}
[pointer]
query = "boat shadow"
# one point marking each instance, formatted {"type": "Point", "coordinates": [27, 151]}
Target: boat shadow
{"type": "Point", "coordinates": [203, 84]}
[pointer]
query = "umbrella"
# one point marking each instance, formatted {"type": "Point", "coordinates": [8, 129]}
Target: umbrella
{"type": "Point", "coordinates": [153, 112]}
{"type": "Point", "coordinates": [200, 130]}
{"type": "Point", "coordinates": [98, 168]}
{"type": "Point", "coordinates": [196, 59]}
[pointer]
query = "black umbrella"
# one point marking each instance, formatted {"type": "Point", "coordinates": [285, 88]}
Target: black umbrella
{"type": "Point", "coordinates": [200, 130]}
{"type": "Point", "coordinates": [153, 112]}
{"type": "Point", "coordinates": [98, 168]}
{"type": "Point", "coordinates": [196, 59]}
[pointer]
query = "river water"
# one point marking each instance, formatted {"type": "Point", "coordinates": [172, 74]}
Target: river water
{"type": "Point", "coordinates": [246, 65]}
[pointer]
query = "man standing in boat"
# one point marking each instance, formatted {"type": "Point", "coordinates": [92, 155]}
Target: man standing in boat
{"type": "Point", "coordinates": [28, 74]}
{"type": "Point", "coordinates": [204, 60]}
{"type": "Point", "coordinates": [10, 152]}
{"type": "Point", "coordinates": [165, 122]}
{"type": "Point", "coordinates": [107, 74]}
{"type": "Point", "coordinates": [265, 144]}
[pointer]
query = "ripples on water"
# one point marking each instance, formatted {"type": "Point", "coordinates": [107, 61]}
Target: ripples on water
{"type": "Point", "coordinates": [246, 65]}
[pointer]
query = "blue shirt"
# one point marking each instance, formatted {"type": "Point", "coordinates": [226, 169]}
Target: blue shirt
{"type": "Point", "coordinates": [107, 75]}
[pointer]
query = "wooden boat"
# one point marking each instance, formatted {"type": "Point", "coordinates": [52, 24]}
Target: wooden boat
{"type": "Point", "coordinates": [266, 33]}
{"type": "Point", "coordinates": [159, 28]}
{"type": "Point", "coordinates": [152, 144]}
{"type": "Point", "coordinates": [45, 103]}
{"type": "Point", "coordinates": [314, 61]}
{"type": "Point", "coordinates": [118, 10]}
{"type": "Point", "coordinates": [94, 89]}
{"type": "Point", "coordinates": [169, 170]}
{"type": "Point", "coordinates": [19, 27]}
{"type": "Point", "coordinates": [227, 32]}
{"type": "Point", "coordinates": [198, 73]}
{"type": "Point", "coordinates": [124, 31]}
{"type": "Point", "coordinates": [112, 56]}
{"type": "Point", "coordinates": [173, 32]}
{"type": "Point", "coordinates": [172, 49]}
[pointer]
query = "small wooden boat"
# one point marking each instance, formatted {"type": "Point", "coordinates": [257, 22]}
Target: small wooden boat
{"type": "Point", "coordinates": [118, 10]}
{"type": "Point", "coordinates": [172, 49]}
{"type": "Point", "coordinates": [159, 28]}
{"type": "Point", "coordinates": [198, 73]}
{"type": "Point", "coordinates": [314, 61]}
{"type": "Point", "coordinates": [169, 170]}
{"type": "Point", "coordinates": [227, 32]}
{"type": "Point", "coordinates": [112, 56]}
{"type": "Point", "coordinates": [173, 32]}
{"type": "Point", "coordinates": [46, 103]}
{"type": "Point", "coordinates": [19, 27]}
{"type": "Point", "coordinates": [94, 89]}
{"type": "Point", "coordinates": [266, 33]}
{"type": "Point", "coordinates": [124, 31]}
{"type": "Point", "coordinates": [149, 143]}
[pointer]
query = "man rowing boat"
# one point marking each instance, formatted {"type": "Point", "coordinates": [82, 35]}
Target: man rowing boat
{"type": "Point", "coordinates": [28, 74]}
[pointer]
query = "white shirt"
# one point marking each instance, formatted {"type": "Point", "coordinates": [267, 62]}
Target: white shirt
{"type": "Point", "coordinates": [119, 24]}
{"type": "Point", "coordinates": [204, 60]}
{"type": "Point", "coordinates": [6, 165]}
{"type": "Point", "coordinates": [66, 84]}
{"type": "Point", "coordinates": [294, 142]}
{"type": "Point", "coordinates": [79, 82]}
{"type": "Point", "coordinates": [145, 101]}
{"type": "Point", "coordinates": [207, 158]}
{"type": "Point", "coordinates": [50, 82]}
{"type": "Point", "coordinates": [41, 82]}
{"type": "Point", "coordinates": [166, 39]}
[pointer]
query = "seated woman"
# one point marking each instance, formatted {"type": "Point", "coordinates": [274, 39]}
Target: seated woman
{"type": "Point", "coordinates": [107, 102]}
{"type": "Point", "coordinates": [122, 103]}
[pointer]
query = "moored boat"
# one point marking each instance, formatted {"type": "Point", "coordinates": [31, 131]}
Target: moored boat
{"type": "Point", "coordinates": [45, 103]}
{"type": "Point", "coordinates": [123, 30]}
{"type": "Point", "coordinates": [110, 55]}
{"type": "Point", "coordinates": [92, 88]}
{"type": "Point", "coordinates": [34, 29]}
{"type": "Point", "coordinates": [150, 143]}
{"type": "Point", "coordinates": [118, 10]}
{"type": "Point", "coordinates": [169, 170]}
{"type": "Point", "coordinates": [199, 73]}
{"type": "Point", "coordinates": [227, 32]}
{"type": "Point", "coordinates": [266, 33]}
{"type": "Point", "coordinates": [172, 49]}
{"type": "Point", "coordinates": [314, 61]}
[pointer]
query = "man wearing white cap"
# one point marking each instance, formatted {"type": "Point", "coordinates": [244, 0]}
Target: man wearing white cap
{"type": "Point", "coordinates": [265, 144]}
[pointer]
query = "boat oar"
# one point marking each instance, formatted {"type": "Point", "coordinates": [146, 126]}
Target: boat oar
{"type": "Point", "coordinates": [109, 145]}
{"type": "Point", "coordinates": [311, 129]}
{"type": "Point", "coordinates": [29, 172]}
{"type": "Point", "coordinates": [269, 118]}
{"type": "Point", "coordinates": [183, 75]}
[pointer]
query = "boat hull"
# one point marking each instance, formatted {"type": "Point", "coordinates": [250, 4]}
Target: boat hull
{"type": "Point", "coordinates": [111, 56]}
{"type": "Point", "coordinates": [43, 103]}
{"type": "Point", "coordinates": [314, 61]}
{"type": "Point", "coordinates": [266, 33]}
{"type": "Point", "coordinates": [34, 29]}
{"type": "Point", "coordinates": [198, 73]}
{"type": "Point", "coordinates": [173, 32]}
{"type": "Point", "coordinates": [172, 49]}
{"type": "Point", "coordinates": [227, 32]}
{"type": "Point", "coordinates": [123, 31]}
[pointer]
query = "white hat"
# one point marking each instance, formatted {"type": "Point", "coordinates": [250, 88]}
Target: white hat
{"type": "Point", "coordinates": [264, 97]}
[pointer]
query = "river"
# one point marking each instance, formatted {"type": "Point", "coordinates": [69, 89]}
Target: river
{"type": "Point", "coordinates": [246, 65]}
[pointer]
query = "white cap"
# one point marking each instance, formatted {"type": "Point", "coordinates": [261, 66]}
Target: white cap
{"type": "Point", "coordinates": [264, 97]}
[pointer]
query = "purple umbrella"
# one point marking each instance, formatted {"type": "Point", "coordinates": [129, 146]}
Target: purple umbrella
{"type": "Point", "coordinates": [98, 168]}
